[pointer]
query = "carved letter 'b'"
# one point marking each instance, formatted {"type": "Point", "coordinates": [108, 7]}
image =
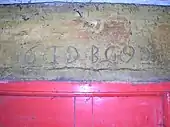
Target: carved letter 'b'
{"type": "Point", "coordinates": [95, 54]}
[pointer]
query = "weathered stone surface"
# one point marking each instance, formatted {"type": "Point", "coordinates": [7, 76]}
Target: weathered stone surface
{"type": "Point", "coordinates": [85, 42]}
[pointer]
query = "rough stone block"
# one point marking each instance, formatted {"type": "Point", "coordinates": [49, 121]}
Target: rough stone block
{"type": "Point", "coordinates": [110, 42]}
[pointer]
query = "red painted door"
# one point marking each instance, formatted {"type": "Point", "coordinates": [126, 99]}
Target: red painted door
{"type": "Point", "coordinates": [64, 104]}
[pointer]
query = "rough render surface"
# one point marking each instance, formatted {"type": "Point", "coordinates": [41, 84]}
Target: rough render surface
{"type": "Point", "coordinates": [110, 42]}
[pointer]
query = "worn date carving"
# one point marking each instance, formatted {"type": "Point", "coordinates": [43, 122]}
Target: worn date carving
{"type": "Point", "coordinates": [58, 56]}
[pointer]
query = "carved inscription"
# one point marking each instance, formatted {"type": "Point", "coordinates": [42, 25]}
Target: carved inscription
{"type": "Point", "coordinates": [72, 54]}
{"type": "Point", "coordinates": [59, 56]}
{"type": "Point", "coordinates": [127, 54]}
{"type": "Point", "coordinates": [53, 50]}
{"type": "Point", "coordinates": [30, 57]}
{"type": "Point", "coordinates": [145, 54]}
{"type": "Point", "coordinates": [110, 56]}
{"type": "Point", "coordinates": [95, 54]}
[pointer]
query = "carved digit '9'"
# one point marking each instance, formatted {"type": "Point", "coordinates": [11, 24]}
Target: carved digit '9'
{"type": "Point", "coordinates": [127, 54]}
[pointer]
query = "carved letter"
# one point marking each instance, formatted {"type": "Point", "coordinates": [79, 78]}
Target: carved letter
{"type": "Point", "coordinates": [72, 54]}
{"type": "Point", "coordinates": [95, 54]}
{"type": "Point", "coordinates": [127, 54]}
{"type": "Point", "coordinates": [145, 54]}
{"type": "Point", "coordinates": [53, 55]}
{"type": "Point", "coordinates": [109, 55]}
{"type": "Point", "coordinates": [30, 57]}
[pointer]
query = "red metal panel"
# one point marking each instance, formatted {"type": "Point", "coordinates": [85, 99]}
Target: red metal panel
{"type": "Point", "coordinates": [166, 108]}
{"type": "Point", "coordinates": [83, 110]}
{"type": "Point", "coordinates": [36, 112]}
{"type": "Point", "coordinates": [62, 104]}
{"type": "Point", "coordinates": [128, 112]}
